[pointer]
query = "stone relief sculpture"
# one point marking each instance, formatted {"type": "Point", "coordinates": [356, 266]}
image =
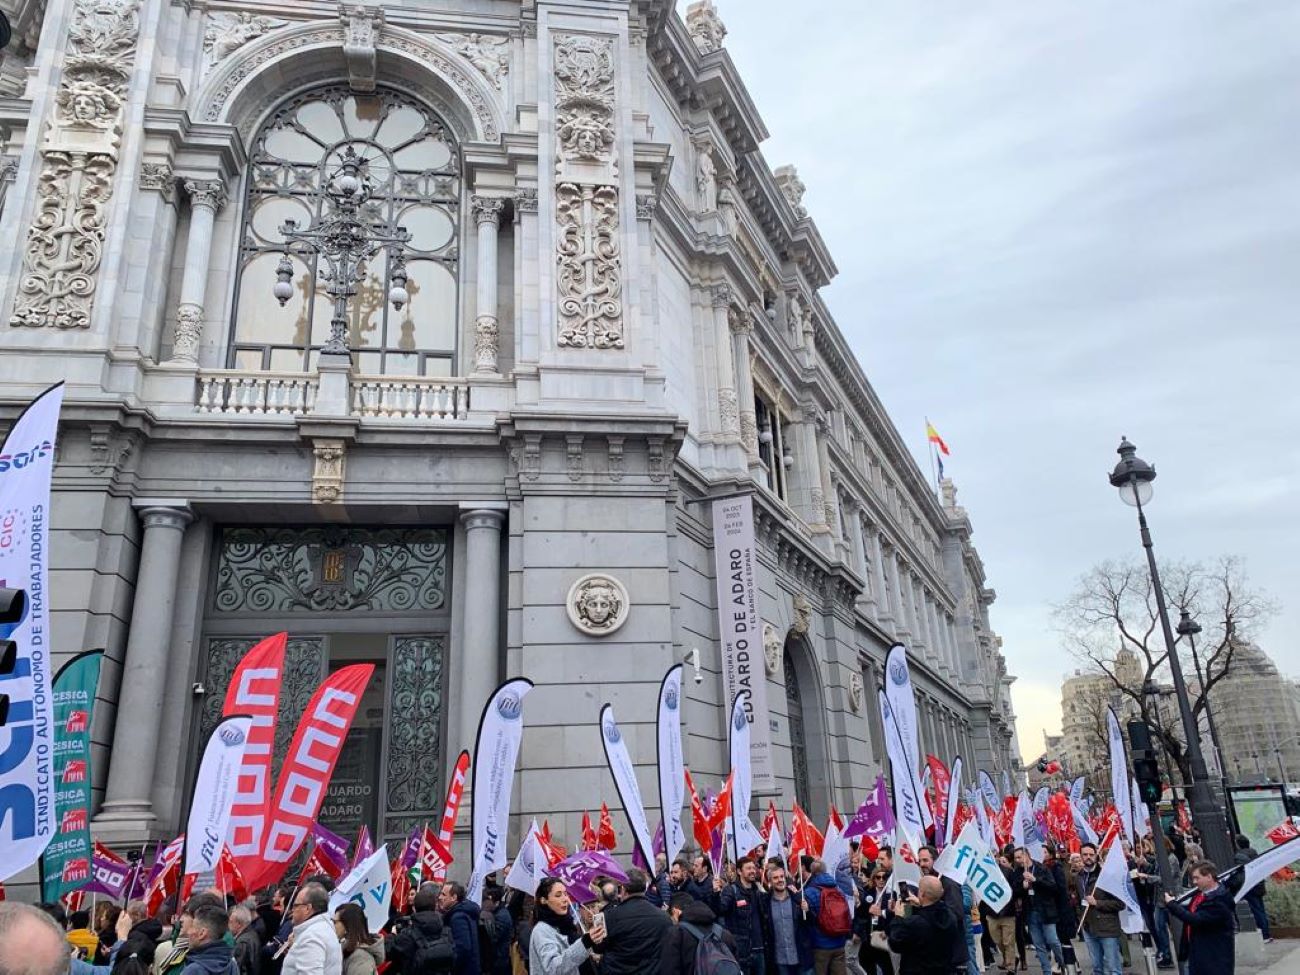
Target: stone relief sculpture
{"type": "Point", "coordinates": [490, 55]}
{"type": "Point", "coordinates": [705, 26]}
{"type": "Point", "coordinates": [226, 33]}
{"type": "Point", "coordinates": [772, 647]}
{"type": "Point", "coordinates": [706, 177]}
{"type": "Point", "coordinates": [802, 615]}
{"type": "Point", "coordinates": [64, 246]}
{"type": "Point", "coordinates": [361, 27]}
{"type": "Point", "coordinates": [792, 187]}
{"type": "Point", "coordinates": [597, 604]}
{"type": "Point", "coordinates": [589, 266]}
{"type": "Point", "coordinates": [855, 692]}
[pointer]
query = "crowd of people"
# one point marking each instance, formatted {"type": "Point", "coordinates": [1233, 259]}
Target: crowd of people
{"type": "Point", "coordinates": [755, 918]}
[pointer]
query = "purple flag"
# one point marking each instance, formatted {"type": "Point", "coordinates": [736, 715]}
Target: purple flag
{"type": "Point", "coordinates": [660, 844]}
{"type": "Point", "coordinates": [657, 845]}
{"type": "Point", "coordinates": [412, 851]}
{"type": "Point", "coordinates": [365, 846]}
{"type": "Point", "coordinates": [874, 817]}
{"type": "Point", "coordinates": [332, 846]}
{"type": "Point", "coordinates": [108, 877]}
{"type": "Point", "coordinates": [136, 887]}
{"type": "Point", "coordinates": [579, 872]}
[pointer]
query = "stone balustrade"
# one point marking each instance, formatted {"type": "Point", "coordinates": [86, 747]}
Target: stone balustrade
{"type": "Point", "coordinates": [416, 398]}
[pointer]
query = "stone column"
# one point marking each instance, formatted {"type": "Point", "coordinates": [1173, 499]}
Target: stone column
{"type": "Point", "coordinates": [728, 404]}
{"type": "Point", "coordinates": [481, 642]}
{"type": "Point", "coordinates": [207, 196]}
{"type": "Point", "coordinates": [127, 800]}
{"type": "Point", "coordinates": [856, 542]}
{"type": "Point", "coordinates": [741, 329]}
{"type": "Point", "coordinates": [824, 468]}
{"type": "Point", "coordinates": [487, 330]}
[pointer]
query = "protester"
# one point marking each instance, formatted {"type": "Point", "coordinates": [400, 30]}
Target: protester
{"type": "Point", "coordinates": [314, 945]}
{"type": "Point", "coordinates": [952, 899]}
{"type": "Point", "coordinates": [1067, 918]}
{"type": "Point", "coordinates": [1037, 889]}
{"type": "Point", "coordinates": [828, 910]}
{"type": "Point", "coordinates": [634, 931]}
{"type": "Point", "coordinates": [682, 881]}
{"type": "Point", "coordinates": [873, 955]}
{"type": "Point", "coordinates": [248, 947]}
{"type": "Point", "coordinates": [1145, 873]}
{"type": "Point", "coordinates": [1254, 897]}
{"type": "Point", "coordinates": [144, 933]}
{"type": "Point", "coordinates": [1101, 927]}
{"type": "Point", "coordinates": [694, 921]}
{"type": "Point", "coordinates": [279, 926]}
{"type": "Point", "coordinates": [1209, 922]}
{"type": "Point", "coordinates": [83, 940]}
{"type": "Point", "coordinates": [556, 946]}
{"type": "Point", "coordinates": [205, 932]}
{"type": "Point", "coordinates": [422, 947]}
{"type": "Point", "coordinates": [106, 916]}
{"type": "Point", "coordinates": [460, 917]}
{"type": "Point", "coordinates": [1001, 924]}
{"type": "Point", "coordinates": [31, 941]}
{"type": "Point", "coordinates": [788, 948]}
{"type": "Point", "coordinates": [363, 952]}
{"type": "Point", "coordinates": [170, 957]}
{"type": "Point", "coordinates": [924, 941]}
{"type": "Point", "coordinates": [740, 910]}
{"type": "Point", "coordinates": [497, 932]}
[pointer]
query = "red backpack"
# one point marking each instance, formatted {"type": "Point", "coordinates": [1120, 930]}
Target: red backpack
{"type": "Point", "coordinates": [833, 918]}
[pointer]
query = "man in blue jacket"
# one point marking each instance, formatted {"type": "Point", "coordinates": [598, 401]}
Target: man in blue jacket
{"type": "Point", "coordinates": [825, 915]}
{"type": "Point", "coordinates": [461, 917]}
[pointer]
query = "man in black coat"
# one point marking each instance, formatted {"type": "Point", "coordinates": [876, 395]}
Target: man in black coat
{"type": "Point", "coordinates": [634, 931]}
{"type": "Point", "coordinates": [923, 942]}
{"type": "Point", "coordinates": [1209, 923]}
{"type": "Point", "coordinates": [1037, 890]}
{"type": "Point", "coordinates": [741, 909]}
{"type": "Point", "coordinates": [952, 899]}
{"type": "Point", "coordinates": [421, 947]}
{"type": "Point", "coordinates": [677, 955]}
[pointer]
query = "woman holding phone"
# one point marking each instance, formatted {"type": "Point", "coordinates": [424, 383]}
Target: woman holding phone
{"type": "Point", "coordinates": [556, 946]}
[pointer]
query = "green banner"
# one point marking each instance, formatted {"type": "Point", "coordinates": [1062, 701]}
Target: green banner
{"type": "Point", "coordinates": [66, 862]}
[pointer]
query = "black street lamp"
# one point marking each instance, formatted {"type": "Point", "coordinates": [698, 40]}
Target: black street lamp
{"type": "Point", "coordinates": [1188, 628]}
{"type": "Point", "coordinates": [1132, 477]}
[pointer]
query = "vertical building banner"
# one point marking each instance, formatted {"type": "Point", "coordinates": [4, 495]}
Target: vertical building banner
{"type": "Point", "coordinates": [496, 753]}
{"type": "Point", "coordinates": [624, 773]}
{"type": "Point", "coordinates": [67, 860]}
{"type": "Point", "coordinates": [27, 783]}
{"type": "Point", "coordinates": [672, 769]}
{"type": "Point", "coordinates": [739, 628]}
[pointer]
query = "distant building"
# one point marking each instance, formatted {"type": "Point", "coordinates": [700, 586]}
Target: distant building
{"type": "Point", "coordinates": [1257, 711]}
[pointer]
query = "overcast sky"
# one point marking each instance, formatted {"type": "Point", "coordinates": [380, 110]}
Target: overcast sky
{"type": "Point", "coordinates": [1056, 223]}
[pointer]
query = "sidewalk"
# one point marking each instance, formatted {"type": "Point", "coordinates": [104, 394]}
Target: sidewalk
{"type": "Point", "coordinates": [1280, 958]}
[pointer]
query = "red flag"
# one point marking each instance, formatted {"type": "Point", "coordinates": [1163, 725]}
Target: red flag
{"type": "Point", "coordinates": [553, 850]}
{"type": "Point", "coordinates": [940, 778]}
{"type": "Point", "coordinates": [805, 839]}
{"type": "Point", "coordinates": [722, 805]}
{"type": "Point", "coordinates": [589, 840]}
{"type": "Point", "coordinates": [1060, 819]}
{"type": "Point", "coordinates": [772, 820]}
{"type": "Point", "coordinates": [699, 821]}
{"type": "Point", "coordinates": [401, 884]}
{"type": "Point", "coordinates": [605, 837]}
{"type": "Point", "coordinates": [836, 820]}
{"type": "Point", "coordinates": [1184, 820]}
{"type": "Point", "coordinates": [435, 858]}
{"type": "Point", "coordinates": [228, 878]}
{"type": "Point", "coordinates": [254, 690]}
{"type": "Point", "coordinates": [167, 877]}
{"type": "Point", "coordinates": [307, 770]}
{"type": "Point", "coordinates": [1003, 820]}
{"type": "Point", "coordinates": [319, 863]}
{"type": "Point", "coordinates": [104, 853]}
{"type": "Point", "coordinates": [451, 809]}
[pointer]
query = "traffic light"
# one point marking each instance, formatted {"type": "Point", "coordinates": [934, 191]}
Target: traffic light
{"type": "Point", "coordinates": [1145, 767]}
{"type": "Point", "coordinates": [13, 606]}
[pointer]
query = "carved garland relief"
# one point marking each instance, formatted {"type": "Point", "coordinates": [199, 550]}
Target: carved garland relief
{"type": "Point", "coordinates": [64, 246]}
{"type": "Point", "coordinates": [589, 267]}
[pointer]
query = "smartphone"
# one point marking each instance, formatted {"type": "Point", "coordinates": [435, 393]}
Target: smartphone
{"type": "Point", "coordinates": [598, 921]}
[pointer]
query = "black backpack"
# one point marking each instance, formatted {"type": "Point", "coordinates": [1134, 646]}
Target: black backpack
{"type": "Point", "coordinates": [712, 956]}
{"type": "Point", "coordinates": [432, 956]}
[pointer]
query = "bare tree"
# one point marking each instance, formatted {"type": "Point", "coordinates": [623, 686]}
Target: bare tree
{"type": "Point", "coordinates": [1112, 613]}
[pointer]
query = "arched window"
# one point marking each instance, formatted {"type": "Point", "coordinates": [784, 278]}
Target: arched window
{"type": "Point", "coordinates": [411, 165]}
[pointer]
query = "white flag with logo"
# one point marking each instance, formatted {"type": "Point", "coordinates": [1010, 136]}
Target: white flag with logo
{"type": "Point", "coordinates": [1114, 879]}
{"type": "Point", "coordinates": [368, 885]}
{"type": "Point", "coordinates": [908, 803]}
{"type": "Point", "coordinates": [957, 858]}
{"type": "Point", "coordinates": [775, 847]}
{"type": "Point", "coordinates": [902, 703]}
{"type": "Point", "coordinates": [500, 730]}
{"type": "Point", "coordinates": [27, 786]}
{"type": "Point", "coordinates": [745, 836]}
{"type": "Point", "coordinates": [954, 801]}
{"type": "Point", "coordinates": [1024, 828]}
{"type": "Point", "coordinates": [530, 866]}
{"type": "Point", "coordinates": [215, 788]}
{"type": "Point", "coordinates": [1119, 778]}
{"type": "Point", "coordinates": [629, 791]}
{"type": "Point", "coordinates": [672, 769]}
{"type": "Point", "coordinates": [1267, 863]}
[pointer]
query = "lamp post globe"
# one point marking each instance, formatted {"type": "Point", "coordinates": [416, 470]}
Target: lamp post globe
{"type": "Point", "coordinates": [1132, 476]}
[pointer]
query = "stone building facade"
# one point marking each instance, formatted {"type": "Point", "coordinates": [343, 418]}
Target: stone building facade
{"type": "Point", "coordinates": [612, 315]}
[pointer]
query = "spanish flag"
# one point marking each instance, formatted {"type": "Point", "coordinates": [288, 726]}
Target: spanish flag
{"type": "Point", "coordinates": [932, 435]}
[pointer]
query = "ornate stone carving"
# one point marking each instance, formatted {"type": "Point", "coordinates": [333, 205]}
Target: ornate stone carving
{"type": "Point", "coordinates": [727, 203]}
{"type": "Point", "coordinates": [189, 329]}
{"type": "Point", "coordinates": [486, 344]}
{"type": "Point", "coordinates": [720, 295]}
{"type": "Point", "coordinates": [228, 32]}
{"type": "Point", "coordinates": [739, 322]}
{"type": "Point", "coordinates": [361, 26]}
{"type": "Point", "coordinates": [655, 459]}
{"type": "Point", "coordinates": [646, 203]}
{"type": "Point", "coordinates": [818, 502]}
{"type": "Point", "coordinates": [490, 55]}
{"type": "Point", "coordinates": [584, 97]}
{"type": "Point", "coordinates": [856, 692]}
{"type": "Point", "coordinates": [159, 177]}
{"type": "Point", "coordinates": [705, 26]}
{"type": "Point", "coordinates": [532, 465]}
{"type": "Point", "coordinates": [792, 187]}
{"type": "Point", "coordinates": [802, 615]}
{"type": "Point", "coordinates": [597, 604]}
{"type": "Point", "coordinates": [62, 253]}
{"type": "Point", "coordinates": [615, 457]}
{"type": "Point", "coordinates": [327, 475]}
{"type": "Point", "coordinates": [107, 450]}
{"type": "Point", "coordinates": [210, 193]}
{"type": "Point", "coordinates": [749, 433]}
{"type": "Point", "coordinates": [729, 410]}
{"type": "Point", "coordinates": [706, 177]}
{"type": "Point", "coordinates": [487, 209]}
{"type": "Point", "coordinates": [573, 456]}
{"type": "Point", "coordinates": [589, 273]}
{"type": "Point", "coordinates": [8, 169]}
{"type": "Point", "coordinates": [773, 645]}
{"type": "Point", "coordinates": [525, 201]}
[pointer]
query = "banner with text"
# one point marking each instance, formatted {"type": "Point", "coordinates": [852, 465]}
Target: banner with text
{"type": "Point", "coordinates": [744, 836]}
{"type": "Point", "coordinates": [902, 704]}
{"type": "Point", "coordinates": [629, 790]}
{"type": "Point", "coordinates": [369, 886]}
{"type": "Point", "coordinates": [496, 752]}
{"type": "Point", "coordinates": [27, 781]}
{"type": "Point", "coordinates": [67, 863]}
{"type": "Point", "coordinates": [739, 628]}
{"type": "Point", "coordinates": [214, 793]}
{"type": "Point", "coordinates": [1119, 777]}
{"type": "Point", "coordinates": [672, 778]}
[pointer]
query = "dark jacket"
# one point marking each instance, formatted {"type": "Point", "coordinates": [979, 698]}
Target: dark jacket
{"type": "Point", "coordinates": [215, 958]}
{"type": "Point", "coordinates": [1243, 857]}
{"type": "Point", "coordinates": [1011, 879]}
{"type": "Point", "coordinates": [924, 941]}
{"type": "Point", "coordinates": [952, 899]}
{"type": "Point", "coordinates": [741, 912]}
{"type": "Point", "coordinates": [1067, 921]}
{"type": "Point", "coordinates": [502, 934]}
{"type": "Point", "coordinates": [1102, 918]}
{"type": "Point", "coordinates": [634, 933]}
{"type": "Point", "coordinates": [142, 940]}
{"type": "Point", "coordinates": [1208, 932]}
{"type": "Point", "coordinates": [813, 894]}
{"type": "Point", "coordinates": [425, 933]}
{"type": "Point", "coordinates": [802, 933]}
{"type": "Point", "coordinates": [462, 921]}
{"type": "Point", "coordinates": [677, 954]}
{"type": "Point", "coordinates": [248, 952]}
{"type": "Point", "coordinates": [1041, 896]}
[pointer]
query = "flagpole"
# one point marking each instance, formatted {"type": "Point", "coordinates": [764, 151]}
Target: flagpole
{"type": "Point", "coordinates": [934, 474]}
